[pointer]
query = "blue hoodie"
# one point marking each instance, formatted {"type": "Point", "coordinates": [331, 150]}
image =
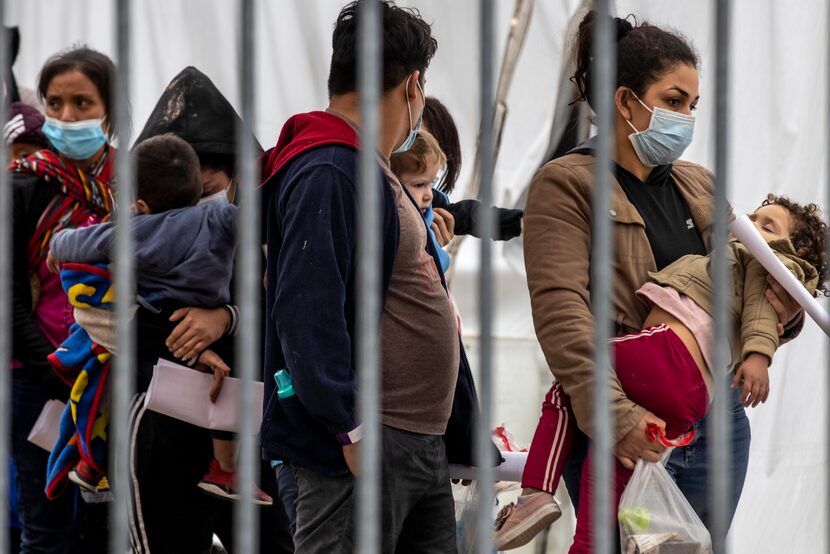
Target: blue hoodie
{"type": "Point", "coordinates": [184, 255]}
{"type": "Point", "coordinates": [310, 202]}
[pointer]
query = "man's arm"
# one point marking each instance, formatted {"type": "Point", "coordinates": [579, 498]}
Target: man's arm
{"type": "Point", "coordinates": [318, 216]}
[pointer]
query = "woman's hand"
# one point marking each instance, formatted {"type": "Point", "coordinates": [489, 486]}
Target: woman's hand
{"type": "Point", "coordinates": [784, 305]}
{"type": "Point", "coordinates": [210, 362]}
{"type": "Point", "coordinates": [443, 226]}
{"type": "Point", "coordinates": [198, 328]}
{"type": "Point", "coordinates": [636, 443]}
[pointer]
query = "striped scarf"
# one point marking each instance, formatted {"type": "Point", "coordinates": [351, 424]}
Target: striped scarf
{"type": "Point", "coordinates": [84, 196]}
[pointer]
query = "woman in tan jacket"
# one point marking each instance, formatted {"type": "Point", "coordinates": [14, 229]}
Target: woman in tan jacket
{"type": "Point", "coordinates": [661, 211]}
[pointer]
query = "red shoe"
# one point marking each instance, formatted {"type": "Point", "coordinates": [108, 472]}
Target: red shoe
{"type": "Point", "coordinates": [222, 484]}
{"type": "Point", "coordinates": [88, 478]}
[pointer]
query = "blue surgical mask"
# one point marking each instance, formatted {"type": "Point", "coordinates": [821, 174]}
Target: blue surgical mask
{"type": "Point", "coordinates": [77, 140]}
{"type": "Point", "coordinates": [413, 131]}
{"type": "Point", "coordinates": [667, 137]}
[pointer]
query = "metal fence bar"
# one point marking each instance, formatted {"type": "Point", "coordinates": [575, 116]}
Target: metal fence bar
{"type": "Point", "coordinates": [369, 279]}
{"type": "Point", "coordinates": [487, 141]}
{"type": "Point", "coordinates": [248, 291]}
{"type": "Point", "coordinates": [719, 424]}
{"type": "Point", "coordinates": [5, 309]}
{"type": "Point", "coordinates": [826, 211]}
{"type": "Point", "coordinates": [124, 374]}
{"type": "Point", "coordinates": [602, 252]}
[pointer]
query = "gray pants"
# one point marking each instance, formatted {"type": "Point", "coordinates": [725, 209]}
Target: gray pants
{"type": "Point", "coordinates": [418, 513]}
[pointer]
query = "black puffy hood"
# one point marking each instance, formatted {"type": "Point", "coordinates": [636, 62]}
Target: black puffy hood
{"type": "Point", "coordinates": [191, 107]}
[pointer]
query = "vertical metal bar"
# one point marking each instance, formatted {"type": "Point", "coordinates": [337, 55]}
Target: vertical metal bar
{"type": "Point", "coordinates": [719, 425]}
{"type": "Point", "coordinates": [487, 141]}
{"type": "Point", "coordinates": [369, 278]}
{"type": "Point", "coordinates": [604, 71]}
{"type": "Point", "coordinates": [248, 287]}
{"type": "Point", "coordinates": [827, 210]}
{"type": "Point", "coordinates": [124, 374]}
{"type": "Point", "coordinates": [5, 311]}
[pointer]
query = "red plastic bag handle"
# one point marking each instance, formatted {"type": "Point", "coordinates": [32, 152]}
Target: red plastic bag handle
{"type": "Point", "coordinates": [655, 433]}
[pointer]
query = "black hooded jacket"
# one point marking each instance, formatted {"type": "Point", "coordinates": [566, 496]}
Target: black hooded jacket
{"type": "Point", "coordinates": [192, 108]}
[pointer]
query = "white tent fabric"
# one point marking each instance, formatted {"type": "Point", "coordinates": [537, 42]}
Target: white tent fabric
{"type": "Point", "coordinates": [778, 144]}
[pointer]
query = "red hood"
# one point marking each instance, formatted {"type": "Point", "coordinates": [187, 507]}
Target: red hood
{"type": "Point", "coordinates": [301, 133]}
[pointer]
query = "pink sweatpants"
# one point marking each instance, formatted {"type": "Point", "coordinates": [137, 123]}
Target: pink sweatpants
{"type": "Point", "coordinates": [657, 372]}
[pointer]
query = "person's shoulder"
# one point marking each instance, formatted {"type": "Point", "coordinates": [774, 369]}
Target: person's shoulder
{"type": "Point", "coordinates": [692, 174]}
{"type": "Point", "coordinates": [571, 171]}
{"type": "Point", "coordinates": [29, 182]}
{"type": "Point", "coordinates": [335, 155]}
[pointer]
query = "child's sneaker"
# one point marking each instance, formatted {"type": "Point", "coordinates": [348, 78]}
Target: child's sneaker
{"type": "Point", "coordinates": [88, 478]}
{"type": "Point", "coordinates": [222, 484]}
{"type": "Point", "coordinates": [517, 523]}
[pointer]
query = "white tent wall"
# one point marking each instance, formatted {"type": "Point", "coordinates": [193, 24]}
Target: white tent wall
{"type": "Point", "coordinates": [778, 143]}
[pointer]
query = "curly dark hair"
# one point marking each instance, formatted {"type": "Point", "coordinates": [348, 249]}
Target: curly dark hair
{"type": "Point", "coordinates": [809, 235]}
{"type": "Point", "coordinates": [644, 54]}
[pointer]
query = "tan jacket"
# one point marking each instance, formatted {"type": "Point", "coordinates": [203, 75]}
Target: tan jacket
{"type": "Point", "coordinates": [754, 320]}
{"type": "Point", "coordinates": [557, 251]}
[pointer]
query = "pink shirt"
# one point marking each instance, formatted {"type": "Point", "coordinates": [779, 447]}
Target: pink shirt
{"type": "Point", "coordinates": [686, 311]}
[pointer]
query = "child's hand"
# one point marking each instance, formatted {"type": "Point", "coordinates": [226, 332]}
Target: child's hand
{"type": "Point", "coordinates": [52, 263]}
{"type": "Point", "coordinates": [213, 363]}
{"type": "Point", "coordinates": [443, 226]}
{"type": "Point", "coordinates": [752, 376]}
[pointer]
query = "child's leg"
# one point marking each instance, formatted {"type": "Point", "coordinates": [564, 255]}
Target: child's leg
{"type": "Point", "coordinates": [220, 479]}
{"type": "Point", "coordinates": [536, 509]}
{"type": "Point", "coordinates": [583, 537]}
{"type": "Point", "coordinates": [657, 372]}
{"type": "Point", "coordinates": [552, 443]}
{"type": "Point", "coordinates": [224, 450]}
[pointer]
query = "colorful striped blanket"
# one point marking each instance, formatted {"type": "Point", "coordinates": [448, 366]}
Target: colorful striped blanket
{"type": "Point", "coordinates": [85, 365]}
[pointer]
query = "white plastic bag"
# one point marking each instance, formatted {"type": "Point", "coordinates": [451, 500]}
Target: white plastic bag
{"type": "Point", "coordinates": [653, 511]}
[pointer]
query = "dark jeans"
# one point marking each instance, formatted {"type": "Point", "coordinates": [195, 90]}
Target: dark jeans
{"type": "Point", "coordinates": [287, 492]}
{"type": "Point", "coordinates": [688, 465]}
{"type": "Point", "coordinates": [46, 525]}
{"type": "Point", "coordinates": [418, 513]}
{"type": "Point", "coordinates": [274, 536]}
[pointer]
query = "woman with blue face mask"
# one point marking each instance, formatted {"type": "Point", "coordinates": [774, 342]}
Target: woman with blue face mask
{"type": "Point", "coordinates": [69, 185]}
{"type": "Point", "coordinates": [661, 210]}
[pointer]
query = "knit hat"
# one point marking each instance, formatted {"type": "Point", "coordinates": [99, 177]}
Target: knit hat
{"type": "Point", "coordinates": [24, 125]}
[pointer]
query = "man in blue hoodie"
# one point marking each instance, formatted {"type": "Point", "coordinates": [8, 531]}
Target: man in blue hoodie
{"type": "Point", "coordinates": [310, 198]}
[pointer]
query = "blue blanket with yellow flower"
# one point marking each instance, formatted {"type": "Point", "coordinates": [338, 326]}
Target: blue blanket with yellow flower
{"type": "Point", "coordinates": [85, 365]}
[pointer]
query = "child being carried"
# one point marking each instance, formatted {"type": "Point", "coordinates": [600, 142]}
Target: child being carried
{"type": "Point", "coordinates": [184, 254]}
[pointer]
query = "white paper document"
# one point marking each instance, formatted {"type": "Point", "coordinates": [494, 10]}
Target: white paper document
{"type": "Point", "coordinates": [45, 431]}
{"type": "Point", "coordinates": [182, 393]}
{"type": "Point", "coordinates": [746, 232]}
{"type": "Point", "coordinates": [510, 469]}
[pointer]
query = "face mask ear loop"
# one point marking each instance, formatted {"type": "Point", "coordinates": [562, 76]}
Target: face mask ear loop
{"type": "Point", "coordinates": [408, 106]}
{"type": "Point", "coordinates": [631, 125]}
{"type": "Point", "coordinates": [651, 111]}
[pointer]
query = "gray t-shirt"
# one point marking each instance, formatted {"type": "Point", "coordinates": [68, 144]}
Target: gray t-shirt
{"type": "Point", "coordinates": [419, 334]}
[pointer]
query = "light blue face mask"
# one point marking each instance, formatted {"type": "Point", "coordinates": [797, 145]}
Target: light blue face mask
{"type": "Point", "coordinates": [77, 140]}
{"type": "Point", "coordinates": [413, 131]}
{"type": "Point", "coordinates": [221, 197]}
{"type": "Point", "coordinates": [667, 137]}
